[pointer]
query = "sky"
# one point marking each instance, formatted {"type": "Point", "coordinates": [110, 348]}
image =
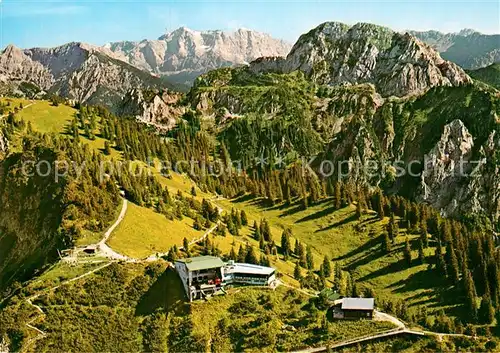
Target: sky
{"type": "Point", "coordinates": [41, 23]}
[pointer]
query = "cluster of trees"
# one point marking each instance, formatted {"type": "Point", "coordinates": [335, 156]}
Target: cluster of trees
{"type": "Point", "coordinates": [464, 254]}
{"type": "Point", "coordinates": [87, 120]}
{"type": "Point", "coordinates": [247, 254]}
{"type": "Point", "coordinates": [42, 211]}
{"type": "Point", "coordinates": [56, 99]}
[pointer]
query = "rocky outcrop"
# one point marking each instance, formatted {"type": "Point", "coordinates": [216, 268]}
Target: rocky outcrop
{"type": "Point", "coordinates": [397, 64]}
{"type": "Point", "coordinates": [457, 182]}
{"type": "Point", "coordinates": [4, 143]}
{"type": "Point", "coordinates": [158, 109]}
{"type": "Point", "coordinates": [16, 67]}
{"type": "Point", "coordinates": [467, 48]}
{"type": "Point", "coordinates": [183, 54]}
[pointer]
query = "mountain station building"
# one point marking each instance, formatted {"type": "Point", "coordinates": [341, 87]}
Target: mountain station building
{"type": "Point", "coordinates": [203, 276]}
{"type": "Point", "coordinates": [354, 308]}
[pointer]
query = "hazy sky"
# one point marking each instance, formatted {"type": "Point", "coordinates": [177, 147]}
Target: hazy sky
{"type": "Point", "coordinates": [48, 23]}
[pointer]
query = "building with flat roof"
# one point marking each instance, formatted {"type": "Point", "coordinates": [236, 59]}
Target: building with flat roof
{"type": "Point", "coordinates": [243, 273]}
{"type": "Point", "coordinates": [203, 276]}
{"type": "Point", "coordinates": [354, 308]}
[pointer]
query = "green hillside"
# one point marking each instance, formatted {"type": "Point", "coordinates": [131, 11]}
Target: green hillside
{"type": "Point", "coordinates": [489, 75]}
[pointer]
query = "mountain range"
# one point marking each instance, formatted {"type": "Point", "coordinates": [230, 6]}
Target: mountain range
{"type": "Point", "coordinates": [467, 48]}
{"type": "Point", "coordinates": [103, 74]}
{"type": "Point", "coordinates": [77, 71]}
{"type": "Point", "coordinates": [184, 54]}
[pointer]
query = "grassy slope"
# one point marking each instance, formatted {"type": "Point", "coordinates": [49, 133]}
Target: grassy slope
{"type": "Point", "coordinates": [46, 118]}
{"type": "Point", "coordinates": [13, 103]}
{"type": "Point", "coordinates": [333, 233]}
{"type": "Point", "coordinates": [144, 232]}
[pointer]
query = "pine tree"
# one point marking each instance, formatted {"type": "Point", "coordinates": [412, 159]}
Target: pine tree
{"type": "Point", "coordinates": [359, 210]}
{"type": "Point", "coordinates": [185, 246]}
{"type": "Point", "coordinates": [172, 255]}
{"type": "Point", "coordinates": [440, 263]}
{"type": "Point", "coordinates": [486, 313]}
{"type": "Point", "coordinates": [423, 237]}
{"type": "Point", "coordinates": [310, 259]}
{"type": "Point", "coordinates": [302, 256]}
{"type": "Point", "coordinates": [286, 246]}
{"type": "Point", "coordinates": [232, 254]}
{"type": "Point", "coordinates": [244, 219]}
{"type": "Point", "coordinates": [453, 264]}
{"type": "Point", "coordinates": [297, 273]}
{"type": "Point", "coordinates": [251, 257]}
{"type": "Point", "coordinates": [421, 254]}
{"type": "Point", "coordinates": [380, 205]}
{"type": "Point", "coordinates": [224, 156]}
{"type": "Point", "coordinates": [197, 224]}
{"type": "Point", "coordinates": [241, 254]}
{"type": "Point", "coordinates": [338, 196]}
{"type": "Point", "coordinates": [407, 252]}
{"type": "Point", "coordinates": [264, 260]}
{"type": "Point", "coordinates": [392, 228]}
{"type": "Point", "coordinates": [193, 192]}
{"type": "Point", "coordinates": [107, 148]}
{"type": "Point", "coordinates": [257, 235]}
{"type": "Point", "coordinates": [326, 267]}
{"type": "Point", "coordinates": [470, 293]}
{"type": "Point", "coordinates": [386, 244]}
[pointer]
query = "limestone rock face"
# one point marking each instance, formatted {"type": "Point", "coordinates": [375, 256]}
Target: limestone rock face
{"type": "Point", "coordinates": [183, 54]}
{"type": "Point", "coordinates": [456, 182]}
{"type": "Point", "coordinates": [397, 64]}
{"type": "Point", "coordinates": [16, 67]}
{"type": "Point", "coordinates": [158, 109]}
{"type": "Point", "coordinates": [76, 71]}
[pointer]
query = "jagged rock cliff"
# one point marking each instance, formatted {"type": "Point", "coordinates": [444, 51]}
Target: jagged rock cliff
{"type": "Point", "coordinates": [76, 71]}
{"type": "Point", "coordinates": [82, 72]}
{"type": "Point", "coordinates": [184, 54]}
{"type": "Point", "coordinates": [467, 48]}
{"type": "Point", "coordinates": [159, 109]}
{"type": "Point", "coordinates": [16, 67]}
{"type": "Point", "coordinates": [458, 182]}
{"type": "Point", "coordinates": [397, 64]}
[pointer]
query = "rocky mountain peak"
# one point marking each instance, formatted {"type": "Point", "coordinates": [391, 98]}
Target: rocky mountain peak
{"type": "Point", "coordinates": [467, 32]}
{"type": "Point", "coordinates": [16, 67]}
{"type": "Point", "coordinates": [397, 64]}
{"type": "Point", "coordinates": [13, 53]}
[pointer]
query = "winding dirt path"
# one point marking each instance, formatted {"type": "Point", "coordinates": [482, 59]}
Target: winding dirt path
{"type": "Point", "coordinates": [24, 107]}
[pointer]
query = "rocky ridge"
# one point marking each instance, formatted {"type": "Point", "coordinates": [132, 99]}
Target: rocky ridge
{"type": "Point", "coordinates": [467, 48]}
{"type": "Point", "coordinates": [76, 71]}
{"type": "Point", "coordinates": [397, 64]}
{"type": "Point", "coordinates": [183, 54]}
